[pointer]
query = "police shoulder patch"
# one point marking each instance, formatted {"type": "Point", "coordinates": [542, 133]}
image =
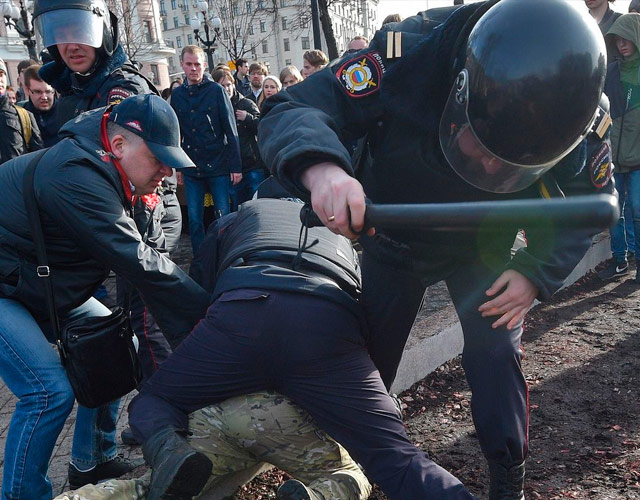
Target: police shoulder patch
{"type": "Point", "coordinates": [117, 95]}
{"type": "Point", "coordinates": [600, 166]}
{"type": "Point", "coordinates": [361, 76]}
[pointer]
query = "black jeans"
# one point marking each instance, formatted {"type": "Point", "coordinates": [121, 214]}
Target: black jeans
{"type": "Point", "coordinates": [491, 357]}
{"type": "Point", "coordinates": [310, 350]}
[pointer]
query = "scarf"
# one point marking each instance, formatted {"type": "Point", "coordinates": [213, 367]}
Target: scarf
{"type": "Point", "coordinates": [629, 69]}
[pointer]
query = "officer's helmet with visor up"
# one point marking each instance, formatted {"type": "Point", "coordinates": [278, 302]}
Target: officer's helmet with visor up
{"type": "Point", "coordinates": [86, 22]}
{"type": "Point", "coordinates": [528, 93]}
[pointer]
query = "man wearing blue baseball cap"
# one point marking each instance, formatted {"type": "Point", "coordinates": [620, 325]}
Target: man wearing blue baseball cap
{"type": "Point", "coordinates": [84, 187]}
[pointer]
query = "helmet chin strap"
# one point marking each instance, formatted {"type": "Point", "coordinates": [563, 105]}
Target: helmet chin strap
{"type": "Point", "coordinates": [94, 66]}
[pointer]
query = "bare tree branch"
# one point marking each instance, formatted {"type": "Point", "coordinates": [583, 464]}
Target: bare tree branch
{"type": "Point", "coordinates": [136, 28]}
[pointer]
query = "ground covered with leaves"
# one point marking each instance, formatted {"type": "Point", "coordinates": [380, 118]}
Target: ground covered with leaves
{"type": "Point", "coordinates": [582, 363]}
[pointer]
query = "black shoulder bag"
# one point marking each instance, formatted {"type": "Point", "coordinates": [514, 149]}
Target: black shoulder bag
{"type": "Point", "coordinates": [97, 352]}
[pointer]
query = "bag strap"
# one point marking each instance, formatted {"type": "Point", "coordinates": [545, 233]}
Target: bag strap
{"type": "Point", "coordinates": [25, 124]}
{"type": "Point", "coordinates": [43, 271]}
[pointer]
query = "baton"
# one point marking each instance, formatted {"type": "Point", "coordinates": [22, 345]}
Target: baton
{"type": "Point", "coordinates": [597, 212]}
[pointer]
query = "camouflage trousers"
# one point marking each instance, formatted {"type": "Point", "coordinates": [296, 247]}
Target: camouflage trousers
{"type": "Point", "coordinates": [245, 431]}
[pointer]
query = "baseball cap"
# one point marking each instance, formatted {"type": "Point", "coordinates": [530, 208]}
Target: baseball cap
{"type": "Point", "coordinates": [152, 118]}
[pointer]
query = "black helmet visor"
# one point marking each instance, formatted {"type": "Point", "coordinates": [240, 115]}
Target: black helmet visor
{"type": "Point", "coordinates": [70, 26]}
{"type": "Point", "coordinates": [474, 162]}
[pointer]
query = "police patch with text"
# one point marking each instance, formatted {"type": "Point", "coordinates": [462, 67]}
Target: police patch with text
{"type": "Point", "coordinates": [600, 166]}
{"type": "Point", "coordinates": [117, 95]}
{"type": "Point", "coordinates": [361, 76]}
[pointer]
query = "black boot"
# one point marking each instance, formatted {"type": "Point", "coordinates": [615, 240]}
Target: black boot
{"type": "Point", "coordinates": [296, 490]}
{"type": "Point", "coordinates": [178, 471]}
{"type": "Point", "coordinates": [506, 482]}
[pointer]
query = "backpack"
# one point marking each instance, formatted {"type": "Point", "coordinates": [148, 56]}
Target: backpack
{"type": "Point", "coordinates": [25, 124]}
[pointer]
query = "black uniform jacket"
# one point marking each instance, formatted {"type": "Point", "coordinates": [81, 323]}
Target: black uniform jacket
{"type": "Point", "coordinates": [393, 94]}
{"type": "Point", "coordinates": [112, 81]}
{"type": "Point", "coordinates": [88, 230]}
{"type": "Point", "coordinates": [260, 246]}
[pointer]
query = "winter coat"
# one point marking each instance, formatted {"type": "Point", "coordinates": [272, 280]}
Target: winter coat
{"type": "Point", "coordinates": [88, 230]}
{"type": "Point", "coordinates": [47, 122]}
{"type": "Point", "coordinates": [208, 128]}
{"type": "Point", "coordinates": [247, 132]}
{"type": "Point", "coordinates": [12, 140]}
{"type": "Point", "coordinates": [242, 85]}
{"type": "Point", "coordinates": [400, 115]}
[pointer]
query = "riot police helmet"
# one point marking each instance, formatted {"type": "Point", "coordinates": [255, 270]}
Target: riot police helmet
{"type": "Point", "coordinates": [528, 93]}
{"type": "Point", "coordinates": [87, 22]}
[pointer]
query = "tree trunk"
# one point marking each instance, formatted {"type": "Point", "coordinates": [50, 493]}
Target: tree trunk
{"type": "Point", "coordinates": [327, 29]}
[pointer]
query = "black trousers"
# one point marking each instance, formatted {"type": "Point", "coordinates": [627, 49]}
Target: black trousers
{"type": "Point", "coordinates": [310, 350]}
{"type": "Point", "coordinates": [491, 357]}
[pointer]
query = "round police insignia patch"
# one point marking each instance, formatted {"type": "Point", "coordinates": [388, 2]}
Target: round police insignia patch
{"type": "Point", "coordinates": [600, 166]}
{"type": "Point", "coordinates": [361, 76]}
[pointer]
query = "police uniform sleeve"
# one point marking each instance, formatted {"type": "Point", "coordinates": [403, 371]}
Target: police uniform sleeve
{"type": "Point", "coordinates": [551, 254]}
{"type": "Point", "coordinates": [89, 210]}
{"type": "Point", "coordinates": [311, 121]}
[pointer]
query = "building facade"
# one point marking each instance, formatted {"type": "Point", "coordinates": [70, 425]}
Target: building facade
{"type": "Point", "coordinates": [141, 37]}
{"type": "Point", "coordinates": [275, 32]}
{"type": "Point", "coordinates": [12, 48]}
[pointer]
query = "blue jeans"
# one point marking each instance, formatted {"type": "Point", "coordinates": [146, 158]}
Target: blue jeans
{"type": "Point", "coordinates": [195, 189]}
{"type": "Point", "coordinates": [31, 368]}
{"type": "Point", "coordinates": [244, 190]}
{"type": "Point", "coordinates": [628, 187]}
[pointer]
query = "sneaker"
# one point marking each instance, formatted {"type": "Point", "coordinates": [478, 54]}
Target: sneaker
{"type": "Point", "coordinates": [128, 438]}
{"type": "Point", "coordinates": [614, 270]}
{"type": "Point", "coordinates": [108, 470]}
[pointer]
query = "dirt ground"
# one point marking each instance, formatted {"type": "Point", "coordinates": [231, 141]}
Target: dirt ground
{"type": "Point", "coordinates": [582, 363]}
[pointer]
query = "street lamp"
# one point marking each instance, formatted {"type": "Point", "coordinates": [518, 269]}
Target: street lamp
{"type": "Point", "coordinates": [209, 31]}
{"type": "Point", "coordinates": [18, 19]}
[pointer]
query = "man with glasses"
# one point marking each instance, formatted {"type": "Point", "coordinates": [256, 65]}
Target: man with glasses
{"type": "Point", "coordinates": [257, 72]}
{"type": "Point", "coordinates": [18, 129]}
{"type": "Point", "coordinates": [42, 103]}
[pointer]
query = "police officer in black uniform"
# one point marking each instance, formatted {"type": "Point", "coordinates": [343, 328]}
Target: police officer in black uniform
{"type": "Point", "coordinates": [498, 100]}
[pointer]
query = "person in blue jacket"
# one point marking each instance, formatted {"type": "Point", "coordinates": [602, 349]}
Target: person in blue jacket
{"type": "Point", "coordinates": [210, 138]}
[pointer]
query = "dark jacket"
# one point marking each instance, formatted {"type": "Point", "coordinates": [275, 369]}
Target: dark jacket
{"type": "Point", "coordinates": [259, 247]}
{"type": "Point", "coordinates": [112, 81]}
{"type": "Point", "coordinates": [88, 230]}
{"type": "Point", "coordinates": [47, 122]}
{"type": "Point", "coordinates": [12, 140]}
{"type": "Point", "coordinates": [247, 132]}
{"type": "Point", "coordinates": [208, 128]}
{"type": "Point", "coordinates": [243, 86]}
{"type": "Point", "coordinates": [400, 114]}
